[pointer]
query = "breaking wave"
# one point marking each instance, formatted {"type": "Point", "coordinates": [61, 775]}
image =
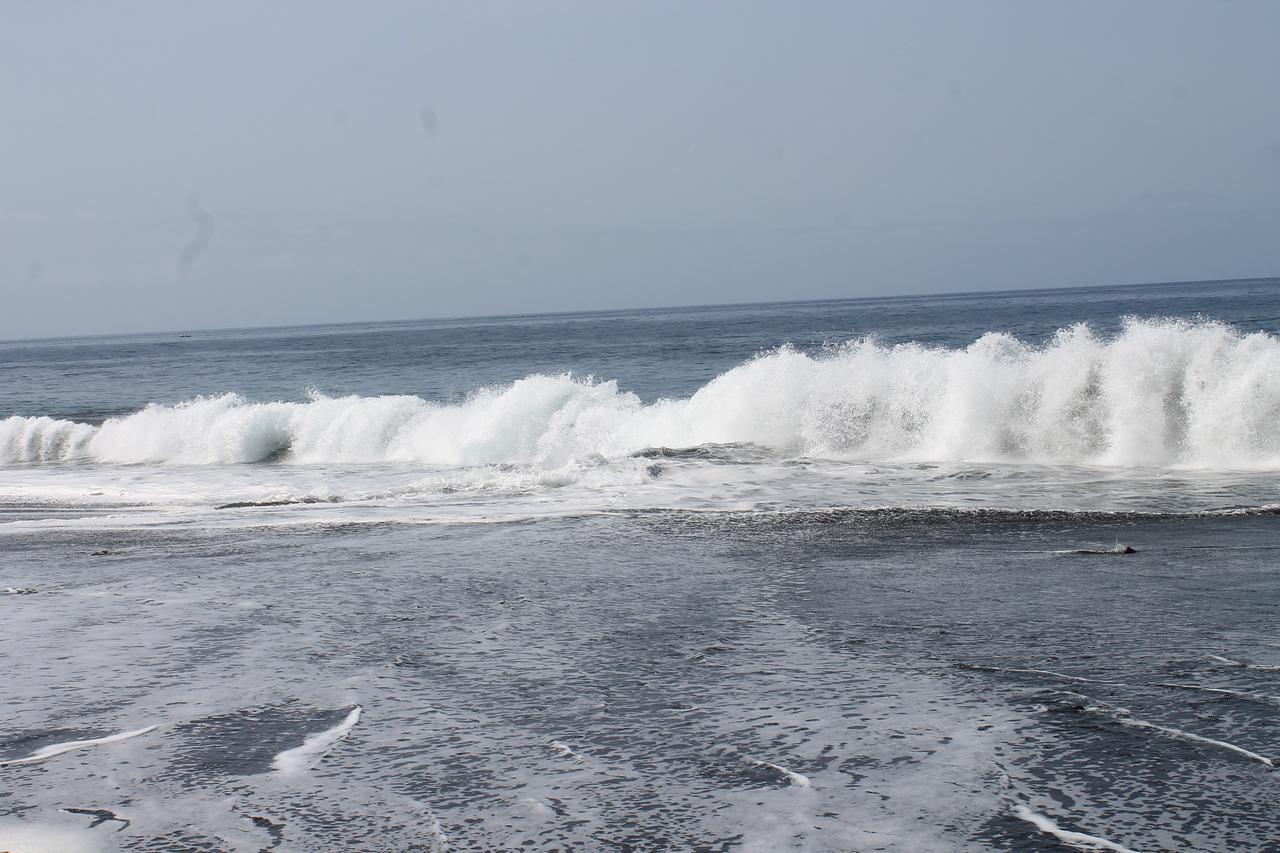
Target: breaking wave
{"type": "Point", "coordinates": [1159, 393]}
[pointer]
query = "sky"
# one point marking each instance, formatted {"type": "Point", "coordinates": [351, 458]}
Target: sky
{"type": "Point", "coordinates": [180, 166]}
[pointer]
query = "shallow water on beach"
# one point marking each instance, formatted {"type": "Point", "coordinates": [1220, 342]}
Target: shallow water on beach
{"type": "Point", "coordinates": [659, 681]}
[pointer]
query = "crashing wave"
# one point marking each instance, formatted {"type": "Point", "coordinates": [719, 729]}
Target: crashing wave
{"type": "Point", "coordinates": [1159, 393]}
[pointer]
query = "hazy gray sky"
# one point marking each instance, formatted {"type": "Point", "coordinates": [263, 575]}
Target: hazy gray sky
{"type": "Point", "coordinates": [181, 165]}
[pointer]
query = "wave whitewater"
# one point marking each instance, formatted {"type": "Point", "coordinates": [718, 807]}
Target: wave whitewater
{"type": "Point", "coordinates": [1159, 393]}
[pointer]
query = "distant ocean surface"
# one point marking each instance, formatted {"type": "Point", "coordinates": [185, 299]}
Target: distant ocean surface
{"type": "Point", "coordinates": [842, 575]}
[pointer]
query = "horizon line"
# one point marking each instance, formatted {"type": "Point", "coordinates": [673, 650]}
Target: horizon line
{"type": "Point", "coordinates": [636, 310]}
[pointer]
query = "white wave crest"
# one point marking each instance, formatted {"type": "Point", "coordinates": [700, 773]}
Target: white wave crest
{"type": "Point", "coordinates": [1159, 393]}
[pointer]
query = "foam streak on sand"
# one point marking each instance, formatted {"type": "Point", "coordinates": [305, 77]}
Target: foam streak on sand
{"type": "Point", "coordinates": [1260, 698]}
{"type": "Point", "coordinates": [1046, 673]}
{"type": "Point", "coordinates": [1259, 666]}
{"type": "Point", "coordinates": [45, 753]}
{"type": "Point", "coordinates": [1079, 840]}
{"type": "Point", "coordinates": [298, 758]}
{"type": "Point", "coordinates": [1134, 722]}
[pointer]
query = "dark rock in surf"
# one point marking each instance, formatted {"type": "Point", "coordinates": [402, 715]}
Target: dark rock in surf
{"type": "Point", "coordinates": [293, 502]}
{"type": "Point", "coordinates": [1119, 550]}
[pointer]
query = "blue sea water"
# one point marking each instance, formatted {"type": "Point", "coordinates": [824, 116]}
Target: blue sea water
{"type": "Point", "coordinates": [837, 575]}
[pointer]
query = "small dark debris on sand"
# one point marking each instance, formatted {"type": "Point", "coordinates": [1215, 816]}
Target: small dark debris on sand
{"type": "Point", "coordinates": [275, 830]}
{"type": "Point", "coordinates": [100, 816]}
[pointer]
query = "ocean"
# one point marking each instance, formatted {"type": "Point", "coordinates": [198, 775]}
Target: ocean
{"type": "Point", "coordinates": [990, 571]}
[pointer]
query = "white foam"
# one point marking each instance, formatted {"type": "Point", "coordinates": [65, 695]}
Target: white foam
{"type": "Point", "coordinates": [1079, 840]}
{"type": "Point", "coordinates": [436, 832]}
{"type": "Point", "coordinates": [300, 757]}
{"type": "Point", "coordinates": [537, 808]}
{"type": "Point", "coordinates": [45, 753]}
{"type": "Point", "coordinates": [22, 836]}
{"type": "Point", "coordinates": [796, 779]}
{"type": "Point", "coordinates": [564, 750]}
{"type": "Point", "coordinates": [1159, 393]}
